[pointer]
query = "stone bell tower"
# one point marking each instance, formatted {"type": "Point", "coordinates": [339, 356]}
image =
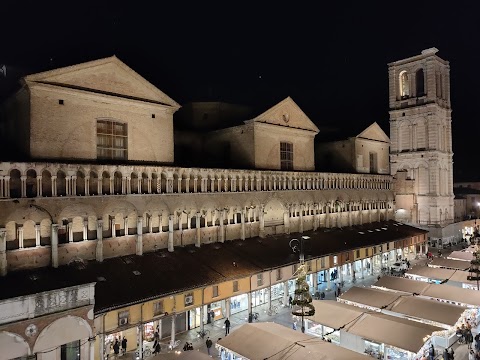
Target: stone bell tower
{"type": "Point", "coordinates": [421, 157]}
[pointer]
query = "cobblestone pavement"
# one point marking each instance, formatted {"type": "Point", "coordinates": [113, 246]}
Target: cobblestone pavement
{"type": "Point", "coordinates": [284, 316]}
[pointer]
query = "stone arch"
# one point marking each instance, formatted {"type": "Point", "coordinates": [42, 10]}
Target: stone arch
{"type": "Point", "coordinates": [13, 345]}
{"type": "Point", "coordinates": [144, 184]}
{"type": "Point", "coordinates": [12, 241]}
{"type": "Point", "coordinates": [15, 183]}
{"type": "Point", "coordinates": [134, 183]}
{"type": "Point", "coordinates": [403, 84]}
{"type": "Point", "coordinates": [46, 183]}
{"type": "Point", "coordinates": [273, 212]}
{"type": "Point", "coordinates": [105, 183]}
{"type": "Point", "coordinates": [31, 183]}
{"type": "Point", "coordinates": [61, 183]}
{"type": "Point", "coordinates": [26, 212]}
{"type": "Point", "coordinates": [93, 183]}
{"type": "Point", "coordinates": [155, 183]}
{"type": "Point", "coordinates": [78, 209]}
{"type": "Point", "coordinates": [80, 183]}
{"type": "Point", "coordinates": [54, 335]}
{"type": "Point", "coordinates": [29, 233]}
{"type": "Point", "coordinates": [117, 183]}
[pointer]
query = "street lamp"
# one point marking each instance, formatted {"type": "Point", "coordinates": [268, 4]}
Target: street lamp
{"type": "Point", "coordinates": [474, 272]}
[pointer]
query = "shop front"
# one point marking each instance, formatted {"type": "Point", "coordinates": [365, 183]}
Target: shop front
{"type": "Point", "coordinates": [180, 325]}
{"type": "Point", "coordinates": [374, 349]}
{"type": "Point", "coordinates": [238, 303]}
{"type": "Point", "coordinates": [131, 334]}
{"type": "Point", "coordinates": [277, 291]}
{"type": "Point", "coordinates": [259, 297]}
{"type": "Point", "coordinates": [215, 311]}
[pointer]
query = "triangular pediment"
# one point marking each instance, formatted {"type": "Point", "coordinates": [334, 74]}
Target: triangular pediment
{"type": "Point", "coordinates": [109, 76]}
{"type": "Point", "coordinates": [374, 132]}
{"type": "Point", "coordinates": [288, 114]}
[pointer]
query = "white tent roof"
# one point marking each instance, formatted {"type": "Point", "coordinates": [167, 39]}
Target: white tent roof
{"type": "Point", "coordinates": [401, 284]}
{"type": "Point", "coordinates": [183, 355]}
{"type": "Point", "coordinates": [444, 292]}
{"type": "Point", "coordinates": [368, 296]}
{"type": "Point", "coordinates": [258, 341]}
{"type": "Point", "coordinates": [428, 310]}
{"type": "Point", "coordinates": [441, 274]}
{"type": "Point", "coordinates": [461, 255]}
{"type": "Point", "coordinates": [450, 263]}
{"type": "Point", "coordinates": [408, 335]}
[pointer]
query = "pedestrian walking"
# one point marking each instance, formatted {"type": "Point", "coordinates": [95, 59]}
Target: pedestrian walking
{"type": "Point", "coordinates": [322, 295]}
{"type": "Point", "coordinates": [468, 338]}
{"type": "Point", "coordinates": [124, 345]}
{"type": "Point", "coordinates": [212, 315]}
{"type": "Point", "coordinates": [451, 355]}
{"type": "Point", "coordinates": [290, 301]}
{"type": "Point", "coordinates": [227, 327]}
{"type": "Point", "coordinates": [157, 348]}
{"type": "Point", "coordinates": [209, 344]}
{"type": "Point", "coordinates": [446, 355]}
{"type": "Point", "coordinates": [116, 348]}
{"type": "Point", "coordinates": [431, 352]}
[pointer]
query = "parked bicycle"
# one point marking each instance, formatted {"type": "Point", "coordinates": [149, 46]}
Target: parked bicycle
{"type": "Point", "coordinates": [203, 333]}
{"type": "Point", "coordinates": [272, 311]}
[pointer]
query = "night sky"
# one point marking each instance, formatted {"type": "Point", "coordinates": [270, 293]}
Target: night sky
{"type": "Point", "coordinates": [330, 57]}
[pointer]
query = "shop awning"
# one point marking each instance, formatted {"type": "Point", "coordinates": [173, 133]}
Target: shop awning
{"type": "Point", "coordinates": [431, 310]}
{"type": "Point", "coordinates": [401, 333]}
{"type": "Point", "coordinates": [370, 297]}
{"type": "Point", "coordinates": [461, 255]}
{"type": "Point", "coordinates": [450, 263]}
{"type": "Point", "coordinates": [431, 273]}
{"type": "Point", "coordinates": [408, 335]}
{"type": "Point", "coordinates": [400, 284]}
{"type": "Point", "coordinates": [443, 292]}
{"type": "Point", "coordinates": [259, 341]}
{"type": "Point", "coordinates": [334, 314]}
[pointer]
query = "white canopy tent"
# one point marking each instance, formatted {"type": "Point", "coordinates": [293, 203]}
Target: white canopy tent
{"type": "Point", "coordinates": [461, 255]}
{"type": "Point", "coordinates": [259, 341]}
{"type": "Point", "coordinates": [450, 264]}
{"type": "Point", "coordinates": [444, 292]}
{"type": "Point", "coordinates": [182, 355]}
{"type": "Point", "coordinates": [430, 274]}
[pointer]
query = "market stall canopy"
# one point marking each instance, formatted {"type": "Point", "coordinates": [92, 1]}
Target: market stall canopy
{"type": "Point", "coordinates": [334, 314]}
{"type": "Point", "coordinates": [408, 335]}
{"type": "Point", "coordinates": [259, 341]}
{"type": "Point", "coordinates": [430, 310]}
{"type": "Point", "coordinates": [450, 263]}
{"type": "Point", "coordinates": [400, 284]}
{"type": "Point", "coordinates": [370, 297]}
{"type": "Point", "coordinates": [431, 273]}
{"type": "Point", "coordinates": [444, 292]}
{"type": "Point", "coordinates": [461, 255]}
{"type": "Point", "coordinates": [182, 355]}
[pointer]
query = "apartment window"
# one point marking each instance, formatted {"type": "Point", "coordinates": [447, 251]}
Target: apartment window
{"type": "Point", "coordinates": [366, 252]}
{"type": "Point", "coordinates": [123, 317]}
{"type": "Point", "coordinates": [235, 286]}
{"type": "Point", "coordinates": [279, 274]}
{"type": "Point", "coordinates": [158, 308]}
{"type": "Point", "coordinates": [347, 256]}
{"type": "Point", "coordinates": [111, 140]}
{"type": "Point", "coordinates": [70, 351]}
{"type": "Point", "coordinates": [322, 263]}
{"type": "Point", "coordinates": [388, 246]}
{"type": "Point", "coordinates": [215, 291]}
{"type": "Point", "coordinates": [335, 260]}
{"type": "Point", "coordinates": [358, 253]}
{"type": "Point", "coordinates": [259, 279]}
{"type": "Point", "coordinates": [309, 266]}
{"type": "Point", "coordinates": [286, 156]}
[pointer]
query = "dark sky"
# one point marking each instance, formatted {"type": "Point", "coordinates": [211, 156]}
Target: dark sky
{"type": "Point", "coordinates": [330, 57]}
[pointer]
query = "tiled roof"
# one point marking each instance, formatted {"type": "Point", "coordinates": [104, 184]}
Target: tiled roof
{"type": "Point", "coordinates": [133, 279]}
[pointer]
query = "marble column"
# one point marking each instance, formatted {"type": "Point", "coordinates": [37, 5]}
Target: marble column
{"type": "Point", "coordinates": [37, 235]}
{"type": "Point", "coordinates": [139, 243]}
{"type": "Point", "coordinates": [198, 239]}
{"type": "Point", "coordinates": [242, 218]}
{"type": "Point", "coordinates": [99, 248]}
{"type": "Point", "coordinates": [3, 252]}
{"type": "Point", "coordinates": [85, 230]}
{"type": "Point", "coordinates": [170, 232]}
{"type": "Point", "coordinates": [221, 237]}
{"type": "Point", "coordinates": [20, 237]}
{"type": "Point", "coordinates": [261, 217]}
{"type": "Point", "coordinates": [54, 245]}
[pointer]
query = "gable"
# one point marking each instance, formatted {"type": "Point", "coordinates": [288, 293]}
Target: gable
{"type": "Point", "coordinates": [287, 113]}
{"type": "Point", "coordinates": [109, 76]}
{"type": "Point", "coordinates": [374, 132]}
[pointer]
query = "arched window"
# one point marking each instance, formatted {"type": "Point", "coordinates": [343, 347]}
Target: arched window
{"type": "Point", "coordinates": [31, 183]}
{"type": "Point", "coordinates": [420, 82]}
{"type": "Point", "coordinates": [404, 85]}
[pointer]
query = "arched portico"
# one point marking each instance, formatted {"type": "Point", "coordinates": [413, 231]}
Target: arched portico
{"type": "Point", "coordinates": [13, 346]}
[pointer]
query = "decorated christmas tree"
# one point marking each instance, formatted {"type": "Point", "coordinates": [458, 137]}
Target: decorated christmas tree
{"type": "Point", "coordinates": [302, 298]}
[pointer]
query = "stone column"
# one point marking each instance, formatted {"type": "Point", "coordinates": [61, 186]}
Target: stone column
{"type": "Point", "coordinates": [37, 235]}
{"type": "Point", "coordinates": [112, 227]}
{"type": "Point", "coordinates": [242, 218]}
{"type": "Point", "coordinates": [150, 224]}
{"type": "Point", "coordinates": [362, 276]}
{"type": "Point", "coordinates": [170, 232]}
{"type": "Point", "coordinates": [172, 335]}
{"type": "Point", "coordinates": [20, 237]}
{"type": "Point", "coordinates": [197, 226]}
{"type": "Point", "coordinates": [99, 248]}
{"type": "Point", "coordinates": [101, 345]}
{"type": "Point", "coordinates": [315, 217]}
{"type": "Point", "coordinates": [286, 220]}
{"type": "Point", "coordinates": [187, 184]}
{"type": "Point", "coordinates": [285, 293]}
{"type": "Point", "coordinates": [269, 292]}
{"type": "Point", "coordinates": [261, 217]}
{"type": "Point", "coordinates": [70, 231]}
{"type": "Point", "coordinates": [54, 185]}
{"type": "Point", "coordinates": [2, 181]}
{"type": "Point", "coordinates": [139, 248]}
{"type": "Point", "coordinates": [74, 185]}
{"type": "Point", "coordinates": [328, 279]}
{"type": "Point", "coordinates": [85, 230]}
{"type": "Point", "coordinates": [140, 340]}
{"type": "Point", "coordinates": [87, 185]}
{"type": "Point", "coordinates": [371, 265]}
{"type": "Point", "coordinates": [3, 252]}
{"type": "Point", "coordinates": [7, 186]}
{"type": "Point", "coordinates": [23, 187]}
{"type": "Point", "coordinates": [149, 184]}
{"type": "Point", "coordinates": [54, 245]}
{"type": "Point", "coordinates": [227, 308]}
{"type": "Point", "coordinates": [249, 303]}
{"type": "Point", "coordinates": [195, 181]}
{"type": "Point", "coordinates": [125, 225]}
{"type": "Point", "coordinates": [302, 208]}
{"type": "Point", "coordinates": [221, 238]}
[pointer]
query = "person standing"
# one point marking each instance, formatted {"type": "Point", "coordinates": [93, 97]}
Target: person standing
{"type": "Point", "coordinates": [116, 348]}
{"type": "Point", "coordinates": [209, 344]}
{"type": "Point", "coordinates": [124, 345]}
{"type": "Point", "coordinates": [212, 315]}
{"type": "Point", "coordinates": [290, 301]}
{"type": "Point", "coordinates": [227, 327]}
{"type": "Point", "coordinates": [431, 353]}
